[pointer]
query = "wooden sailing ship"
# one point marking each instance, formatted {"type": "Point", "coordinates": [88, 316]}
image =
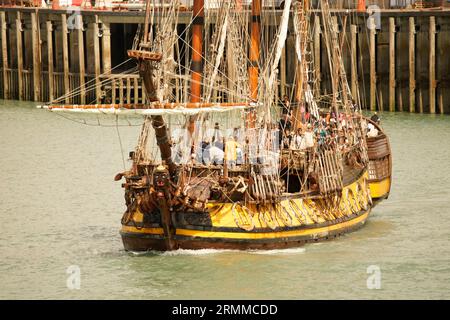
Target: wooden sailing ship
{"type": "Point", "coordinates": [220, 161]}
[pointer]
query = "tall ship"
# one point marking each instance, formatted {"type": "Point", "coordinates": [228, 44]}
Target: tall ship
{"type": "Point", "coordinates": [223, 160]}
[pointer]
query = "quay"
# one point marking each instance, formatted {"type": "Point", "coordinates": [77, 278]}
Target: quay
{"type": "Point", "coordinates": [400, 63]}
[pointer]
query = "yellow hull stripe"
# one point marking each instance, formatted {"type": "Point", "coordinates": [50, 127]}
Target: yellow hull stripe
{"type": "Point", "coordinates": [251, 235]}
{"type": "Point", "coordinates": [131, 229]}
{"type": "Point", "coordinates": [274, 234]}
{"type": "Point", "coordinates": [381, 188]}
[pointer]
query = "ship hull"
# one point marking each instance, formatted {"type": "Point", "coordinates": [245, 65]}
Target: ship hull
{"type": "Point", "coordinates": [380, 189]}
{"type": "Point", "coordinates": [146, 240]}
{"type": "Point", "coordinates": [380, 165]}
{"type": "Point", "coordinates": [293, 223]}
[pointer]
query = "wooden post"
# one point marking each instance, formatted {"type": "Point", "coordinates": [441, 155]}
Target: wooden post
{"type": "Point", "coordinates": [412, 65]}
{"type": "Point", "coordinates": [136, 90]}
{"type": "Point", "coordinates": [128, 90]}
{"type": "Point", "coordinates": [64, 33]}
{"type": "Point", "coordinates": [432, 62]}
{"type": "Point", "coordinates": [443, 66]}
{"type": "Point", "coordinates": [353, 61]}
{"type": "Point", "coordinates": [36, 44]}
{"type": "Point", "coordinates": [19, 55]}
{"type": "Point", "coordinates": [5, 65]}
{"type": "Point", "coordinates": [120, 90]}
{"type": "Point", "coordinates": [392, 84]}
{"type": "Point", "coordinates": [82, 66]}
{"type": "Point", "coordinates": [373, 76]}
{"type": "Point", "coordinates": [113, 90]}
{"type": "Point", "coordinates": [317, 62]}
{"type": "Point", "coordinates": [50, 60]}
{"type": "Point", "coordinates": [106, 48]}
{"type": "Point", "coordinates": [97, 61]}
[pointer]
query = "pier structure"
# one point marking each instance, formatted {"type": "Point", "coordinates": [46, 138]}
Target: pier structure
{"type": "Point", "coordinates": [398, 59]}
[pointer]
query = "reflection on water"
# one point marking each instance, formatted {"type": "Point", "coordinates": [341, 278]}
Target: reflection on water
{"type": "Point", "coordinates": [59, 206]}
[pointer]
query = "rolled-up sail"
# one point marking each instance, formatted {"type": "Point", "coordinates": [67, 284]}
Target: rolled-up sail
{"type": "Point", "coordinates": [157, 108]}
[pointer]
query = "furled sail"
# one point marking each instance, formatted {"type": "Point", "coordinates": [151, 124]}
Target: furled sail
{"type": "Point", "coordinates": [281, 42]}
{"type": "Point", "coordinates": [151, 109]}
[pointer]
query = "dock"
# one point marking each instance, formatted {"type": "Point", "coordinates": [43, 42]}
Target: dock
{"type": "Point", "coordinates": [400, 63]}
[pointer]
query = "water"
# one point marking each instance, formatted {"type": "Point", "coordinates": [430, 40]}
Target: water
{"type": "Point", "coordinates": [59, 207]}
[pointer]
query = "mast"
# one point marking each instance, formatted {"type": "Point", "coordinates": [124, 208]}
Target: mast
{"type": "Point", "coordinates": [253, 70]}
{"type": "Point", "coordinates": [197, 50]}
{"type": "Point", "coordinates": [197, 65]}
{"type": "Point", "coordinates": [146, 60]}
{"type": "Point", "coordinates": [301, 14]}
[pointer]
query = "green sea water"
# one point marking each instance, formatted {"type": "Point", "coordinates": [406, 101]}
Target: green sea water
{"type": "Point", "coordinates": [60, 211]}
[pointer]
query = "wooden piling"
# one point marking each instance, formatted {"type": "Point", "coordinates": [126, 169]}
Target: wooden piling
{"type": "Point", "coordinates": [106, 48]}
{"type": "Point", "coordinates": [81, 62]}
{"type": "Point", "coordinates": [128, 90]}
{"type": "Point", "coordinates": [412, 65]}
{"type": "Point", "coordinates": [51, 92]}
{"type": "Point", "coordinates": [120, 90]}
{"type": "Point", "coordinates": [136, 90]}
{"type": "Point", "coordinates": [19, 55]}
{"type": "Point", "coordinates": [113, 90]}
{"type": "Point", "coordinates": [36, 45]}
{"type": "Point", "coordinates": [372, 57]}
{"type": "Point", "coordinates": [432, 63]}
{"type": "Point", "coordinates": [5, 64]}
{"type": "Point", "coordinates": [392, 81]}
{"type": "Point", "coordinates": [443, 64]}
{"type": "Point", "coordinates": [65, 50]}
{"type": "Point", "coordinates": [95, 40]}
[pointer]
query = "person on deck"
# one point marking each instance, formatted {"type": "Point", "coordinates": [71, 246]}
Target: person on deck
{"type": "Point", "coordinates": [231, 152]}
{"type": "Point", "coordinates": [309, 137]}
{"type": "Point", "coordinates": [373, 132]}
{"type": "Point", "coordinates": [285, 127]}
{"type": "Point", "coordinates": [297, 140]}
{"type": "Point", "coordinates": [217, 138]}
{"type": "Point", "coordinates": [215, 155]}
{"type": "Point", "coordinates": [285, 104]}
{"type": "Point", "coordinates": [375, 118]}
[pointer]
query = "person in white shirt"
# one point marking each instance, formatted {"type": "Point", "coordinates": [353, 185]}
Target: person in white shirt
{"type": "Point", "coordinates": [309, 137]}
{"type": "Point", "coordinates": [373, 132]}
{"type": "Point", "coordinates": [216, 155]}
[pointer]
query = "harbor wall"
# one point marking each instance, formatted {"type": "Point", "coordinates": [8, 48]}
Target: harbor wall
{"type": "Point", "coordinates": [402, 64]}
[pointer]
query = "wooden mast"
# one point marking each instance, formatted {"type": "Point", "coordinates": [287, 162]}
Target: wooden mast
{"type": "Point", "coordinates": [146, 61]}
{"type": "Point", "coordinates": [197, 55]}
{"type": "Point", "coordinates": [301, 67]}
{"type": "Point", "coordinates": [197, 50]}
{"type": "Point", "coordinates": [253, 70]}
